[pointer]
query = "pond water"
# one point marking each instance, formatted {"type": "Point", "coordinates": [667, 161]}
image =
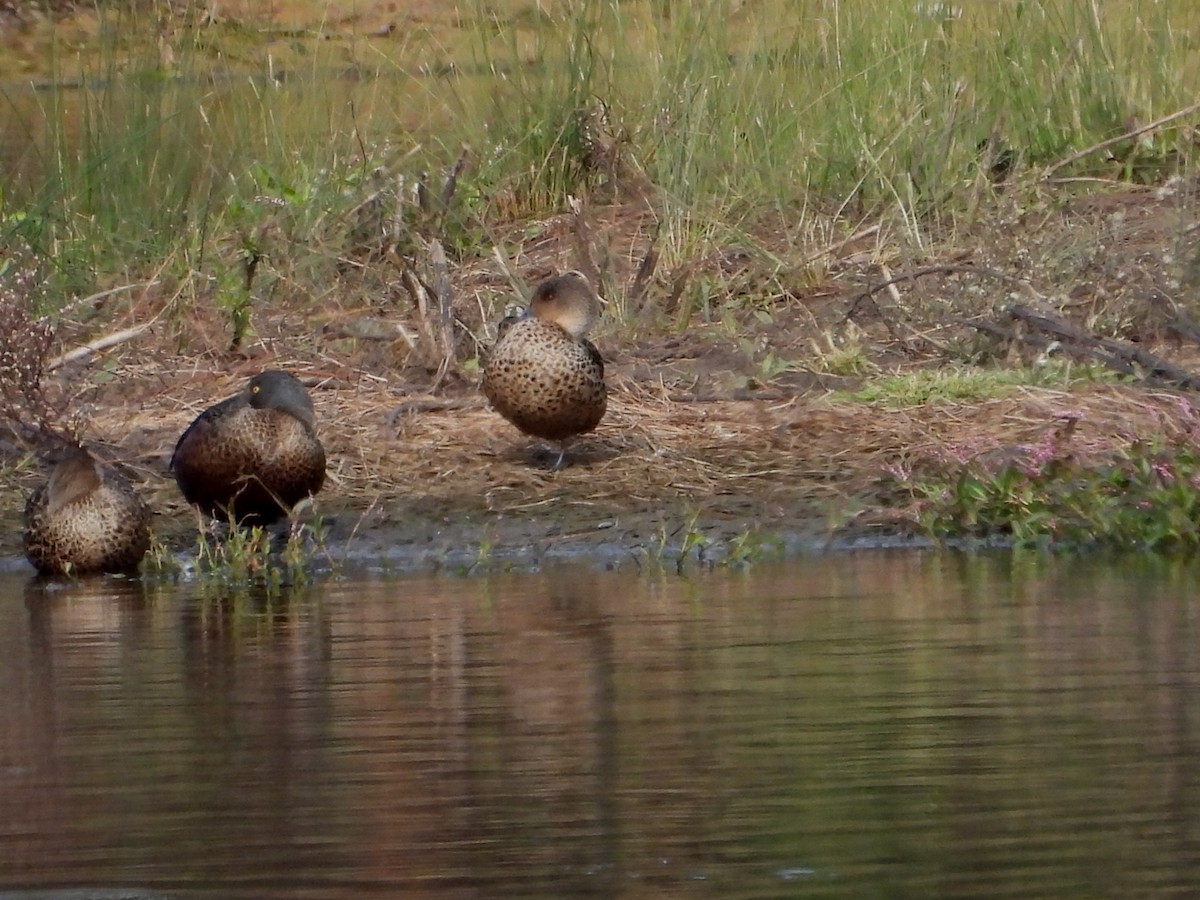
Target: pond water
{"type": "Point", "coordinates": [854, 725]}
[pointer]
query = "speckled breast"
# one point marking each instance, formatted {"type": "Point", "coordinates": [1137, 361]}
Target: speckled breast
{"type": "Point", "coordinates": [545, 382]}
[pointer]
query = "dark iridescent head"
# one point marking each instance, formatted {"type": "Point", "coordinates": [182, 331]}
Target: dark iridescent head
{"type": "Point", "coordinates": [276, 389]}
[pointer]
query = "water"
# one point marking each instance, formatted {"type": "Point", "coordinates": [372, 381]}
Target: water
{"type": "Point", "coordinates": [861, 725]}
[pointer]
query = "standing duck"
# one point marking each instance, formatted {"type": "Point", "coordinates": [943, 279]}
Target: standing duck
{"type": "Point", "coordinates": [543, 374]}
{"type": "Point", "coordinates": [85, 519]}
{"type": "Point", "coordinates": [253, 456]}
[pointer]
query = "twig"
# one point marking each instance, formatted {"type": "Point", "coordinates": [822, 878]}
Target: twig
{"type": "Point", "coordinates": [1119, 138]}
{"type": "Point", "coordinates": [948, 269]}
{"type": "Point", "coordinates": [100, 295]}
{"type": "Point", "coordinates": [507, 268]}
{"type": "Point", "coordinates": [430, 404]}
{"type": "Point", "coordinates": [1045, 344]}
{"type": "Point", "coordinates": [451, 182]}
{"type": "Point", "coordinates": [838, 245]}
{"type": "Point", "coordinates": [890, 284]}
{"type": "Point", "coordinates": [585, 243]}
{"type": "Point", "coordinates": [100, 343]}
{"type": "Point", "coordinates": [444, 291]}
{"type": "Point", "coordinates": [645, 271]}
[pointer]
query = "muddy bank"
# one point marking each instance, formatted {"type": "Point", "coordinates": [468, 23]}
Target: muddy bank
{"type": "Point", "coordinates": [444, 483]}
{"type": "Point", "coordinates": [455, 487]}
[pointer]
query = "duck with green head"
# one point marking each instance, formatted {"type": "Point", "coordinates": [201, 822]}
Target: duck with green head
{"type": "Point", "coordinates": [85, 519]}
{"type": "Point", "coordinates": [253, 456]}
{"type": "Point", "coordinates": [544, 375]}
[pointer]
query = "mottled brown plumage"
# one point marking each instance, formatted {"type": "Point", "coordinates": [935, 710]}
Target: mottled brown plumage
{"type": "Point", "coordinates": [543, 375]}
{"type": "Point", "coordinates": [253, 456]}
{"type": "Point", "coordinates": [85, 519]}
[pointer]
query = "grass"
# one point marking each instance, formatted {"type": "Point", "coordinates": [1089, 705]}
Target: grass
{"type": "Point", "coordinates": [680, 546]}
{"type": "Point", "coordinates": [241, 556]}
{"type": "Point", "coordinates": [842, 354]}
{"type": "Point", "coordinates": [956, 385]}
{"type": "Point", "coordinates": [734, 112]}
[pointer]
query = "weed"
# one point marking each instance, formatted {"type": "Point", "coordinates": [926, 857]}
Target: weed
{"type": "Point", "coordinates": [690, 538]}
{"type": "Point", "coordinates": [28, 406]}
{"type": "Point", "coordinates": [750, 547]}
{"type": "Point", "coordinates": [160, 561]}
{"type": "Point", "coordinates": [688, 543]}
{"type": "Point", "coordinates": [1141, 496]}
{"type": "Point", "coordinates": [693, 539]}
{"type": "Point", "coordinates": [244, 556]}
{"type": "Point", "coordinates": [846, 354]}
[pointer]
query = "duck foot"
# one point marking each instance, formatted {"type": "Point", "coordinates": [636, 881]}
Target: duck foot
{"type": "Point", "coordinates": [553, 458]}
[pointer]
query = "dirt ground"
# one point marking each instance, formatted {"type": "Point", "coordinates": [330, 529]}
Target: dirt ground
{"type": "Point", "coordinates": [719, 431]}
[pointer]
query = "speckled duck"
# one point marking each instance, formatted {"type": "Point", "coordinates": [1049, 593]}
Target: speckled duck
{"type": "Point", "coordinates": [85, 519]}
{"type": "Point", "coordinates": [544, 375]}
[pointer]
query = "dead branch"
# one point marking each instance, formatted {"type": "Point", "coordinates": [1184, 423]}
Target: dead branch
{"type": "Point", "coordinates": [645, 270]}
{"type": "Point", "coordinates": [831, 249]}
{"type": "Point", "coordinates": [443, 290]}
{"type": "Point", "coordinates": [101, 343]}
{"type": "Point", "coordinates": [585, 244]}
{"type": "Point", "coordinates": [1044, 344]}
{"type": "Point", "coordinates": [450, 185]}
{"type": "Point", "coordinates": [1123, 356]}
{"type": "Point", "coordinates": [947, 269]}
{"type": "Point", "coordinates": [1128, 135]}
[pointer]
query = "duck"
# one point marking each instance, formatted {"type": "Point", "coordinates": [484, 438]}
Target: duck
{"type": "Point", "coordinates": [543, 375]}
{"type": "Point", "coordinates": [85, 519]}
{"type": "Point", "coordinates": [253, 456]}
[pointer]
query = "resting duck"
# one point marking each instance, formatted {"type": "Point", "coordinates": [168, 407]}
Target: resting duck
{"type": "Point", "coordinates": [543, 374]}
{"type": "Point", "coordinates": [252, 457]}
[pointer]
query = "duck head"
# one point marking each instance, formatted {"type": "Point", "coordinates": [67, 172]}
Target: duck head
{"type": "Point", "coordinates": [276, 389]}
{"type": "Point", "coordinates": [568, 301]}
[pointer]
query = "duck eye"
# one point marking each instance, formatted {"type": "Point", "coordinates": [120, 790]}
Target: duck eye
{"type": "Point", "coordinates": [256, 389]}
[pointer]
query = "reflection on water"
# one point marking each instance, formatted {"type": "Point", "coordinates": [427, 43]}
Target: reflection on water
{"type": "Point", "coordinates": [898, 725]}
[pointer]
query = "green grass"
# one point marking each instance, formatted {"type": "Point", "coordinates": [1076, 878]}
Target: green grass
{"type": "Point", "coordinates": [239, 557]}
{"type": "Point", "coordinates": [958, 385]}
{"type": "Point", "coordinates": [737, 113]}
{"type": "Point", "coordinates": [857, 106]}
{"type": "Point", "coordinates": [684, 544]}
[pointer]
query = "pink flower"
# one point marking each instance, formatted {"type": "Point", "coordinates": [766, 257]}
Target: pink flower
{"type": "Point", "coordinates": [1164, 473]}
